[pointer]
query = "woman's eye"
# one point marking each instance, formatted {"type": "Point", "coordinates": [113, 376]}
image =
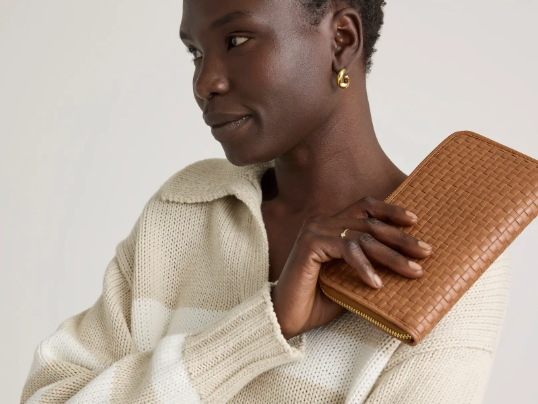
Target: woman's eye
{"type": "Point", "coordinates": [194, 52]}
{"type": "Point", "coordinates": [234, 41]}
{"type": "Point", "coordinates": [238, 40]}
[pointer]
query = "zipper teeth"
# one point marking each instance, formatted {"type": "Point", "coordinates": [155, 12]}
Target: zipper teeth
{"type": "Point", "coordinates": [368, 318]}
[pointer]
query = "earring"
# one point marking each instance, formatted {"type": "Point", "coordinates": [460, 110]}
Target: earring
{"type": "Point", "coordinates": [343, 81]}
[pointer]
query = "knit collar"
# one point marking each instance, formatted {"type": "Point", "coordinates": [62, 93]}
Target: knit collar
{"type": "Point", "coordinates": [209, 179]}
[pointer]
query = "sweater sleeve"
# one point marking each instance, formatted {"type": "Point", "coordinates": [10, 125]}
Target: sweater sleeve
{"type": "Point", "coordinates": [452, 364]}
{"type": "Point", "coordinates": [92, 358]}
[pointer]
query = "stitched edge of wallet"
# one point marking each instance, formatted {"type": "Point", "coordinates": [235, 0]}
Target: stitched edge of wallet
{"type": "Point", "coordinates": [412, 330]}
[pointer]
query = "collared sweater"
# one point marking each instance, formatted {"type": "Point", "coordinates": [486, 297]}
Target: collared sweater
{"type": "Point", "coordinates": [185, 316]}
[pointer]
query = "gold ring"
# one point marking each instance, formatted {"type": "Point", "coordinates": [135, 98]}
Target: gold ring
{"type": "Point", "coordinates": [343, 234]}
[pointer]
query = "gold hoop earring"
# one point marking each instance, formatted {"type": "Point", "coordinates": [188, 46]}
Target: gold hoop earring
{"type": "Point", "coordinates": [343, 81]}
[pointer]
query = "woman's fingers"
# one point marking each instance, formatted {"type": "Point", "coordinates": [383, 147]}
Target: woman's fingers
{"type": "Point", "coordinates": [368, 240]}
{"type": "Point", "coordinates": [322, 248]}
{"type": "Point", "coordinates": [353, 255]}
{"type": "Point", "coordinates": [380, 253]}
{"type": "Point", "coordinates": [371, 207]}
{"type": "Point", "coordinates": [385, 233]}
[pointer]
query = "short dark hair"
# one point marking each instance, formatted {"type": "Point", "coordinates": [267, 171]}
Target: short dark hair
{"type": "Point", "coordinates": [371, 12]}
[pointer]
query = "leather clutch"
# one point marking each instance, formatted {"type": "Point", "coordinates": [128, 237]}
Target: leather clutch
{"type": "Point", "coordinates": [473, 197]}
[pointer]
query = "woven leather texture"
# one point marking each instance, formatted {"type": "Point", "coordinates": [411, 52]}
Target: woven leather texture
{"type": "Point", "coordinates": [473, 197]}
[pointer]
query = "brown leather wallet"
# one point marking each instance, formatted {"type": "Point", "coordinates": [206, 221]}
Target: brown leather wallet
{"type": "Point", "coordinates": [473, 197]}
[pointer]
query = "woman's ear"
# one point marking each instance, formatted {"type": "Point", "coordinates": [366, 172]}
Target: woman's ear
{"type": "Point", "coordinates": [348, 39]}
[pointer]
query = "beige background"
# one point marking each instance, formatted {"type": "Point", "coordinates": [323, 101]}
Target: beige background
{"type": "Point", "coordinates": [97, 112]}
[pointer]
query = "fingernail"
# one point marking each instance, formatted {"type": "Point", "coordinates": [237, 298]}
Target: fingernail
{"type": "Point", "coordinates": [422, 244]}
{"type": "Point", "coordinates": [377, 280]}
{"type": "Point", "coordinates": [414, 265]}
{"type": "Point", "coordinates": [411, 215]}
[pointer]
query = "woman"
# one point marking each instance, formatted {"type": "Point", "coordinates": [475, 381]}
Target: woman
{"type": "Point", "coordinates": [213, 297]}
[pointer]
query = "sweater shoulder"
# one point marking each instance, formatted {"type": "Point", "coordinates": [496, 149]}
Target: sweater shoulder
{"type": "Point", "coordinates": [475, 320]}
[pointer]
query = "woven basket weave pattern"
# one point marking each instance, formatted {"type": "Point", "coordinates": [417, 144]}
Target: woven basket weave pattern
{"type": "Point", "coordinates": [473, 197]}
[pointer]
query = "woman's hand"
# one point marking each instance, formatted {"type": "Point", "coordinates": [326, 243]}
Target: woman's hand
{"type": "Point", "coordinates": [299, 303]}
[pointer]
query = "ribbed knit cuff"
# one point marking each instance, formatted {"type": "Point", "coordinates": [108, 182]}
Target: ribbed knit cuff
{"type": "Point", "coordinates": [246, 342]}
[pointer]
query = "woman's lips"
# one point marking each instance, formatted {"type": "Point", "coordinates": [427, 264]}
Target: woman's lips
{"type": "Point", "coordinates": [226, 130]}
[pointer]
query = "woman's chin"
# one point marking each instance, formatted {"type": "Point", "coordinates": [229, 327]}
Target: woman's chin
{"type": "Point", "coordinates": [240, 160]}
{"type": "Point", "coordinates": [245, 155]}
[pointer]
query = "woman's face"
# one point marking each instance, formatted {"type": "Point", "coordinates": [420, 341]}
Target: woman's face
{"type": "Point", "coordinates": [263, 60]}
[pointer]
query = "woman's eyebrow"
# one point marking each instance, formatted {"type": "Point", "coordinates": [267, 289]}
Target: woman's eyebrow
{"type": "Point", "coordinates": [219, 22]}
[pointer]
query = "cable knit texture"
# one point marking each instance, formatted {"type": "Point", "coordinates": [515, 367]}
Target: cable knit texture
{"type": "Point", "coordinates": [185, 316]}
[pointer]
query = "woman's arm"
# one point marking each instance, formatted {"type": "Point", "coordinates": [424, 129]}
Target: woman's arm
{"type": "Point", "coordinates": [453, 363]}
{"type": "Point", "coordinates": [92, 357]}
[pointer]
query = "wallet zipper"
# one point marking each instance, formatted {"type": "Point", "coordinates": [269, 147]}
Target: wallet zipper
{"type": "Point", "coordinates": [368, 318]}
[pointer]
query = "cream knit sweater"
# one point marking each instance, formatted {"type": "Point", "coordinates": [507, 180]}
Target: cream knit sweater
{"type": "Point", "coordinates": [185, 316]}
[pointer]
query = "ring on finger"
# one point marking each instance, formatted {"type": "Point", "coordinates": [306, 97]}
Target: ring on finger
{"type": "Point", "coordinates": [343, 234]}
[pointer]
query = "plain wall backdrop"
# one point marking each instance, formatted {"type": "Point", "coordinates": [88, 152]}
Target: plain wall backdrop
{"type": "Point", "coordinates": [97, 111]}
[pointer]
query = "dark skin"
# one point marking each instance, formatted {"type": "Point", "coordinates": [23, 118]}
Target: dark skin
{"type": "Point", "coordinates": [271, 66]}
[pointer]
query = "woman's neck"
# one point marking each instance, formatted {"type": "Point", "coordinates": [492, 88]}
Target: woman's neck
{"type": "Point", "coordinates": [335, 166]}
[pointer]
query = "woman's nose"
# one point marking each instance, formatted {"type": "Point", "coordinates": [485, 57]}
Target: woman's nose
{"type": "Point", "coordinates": [211, 80]}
